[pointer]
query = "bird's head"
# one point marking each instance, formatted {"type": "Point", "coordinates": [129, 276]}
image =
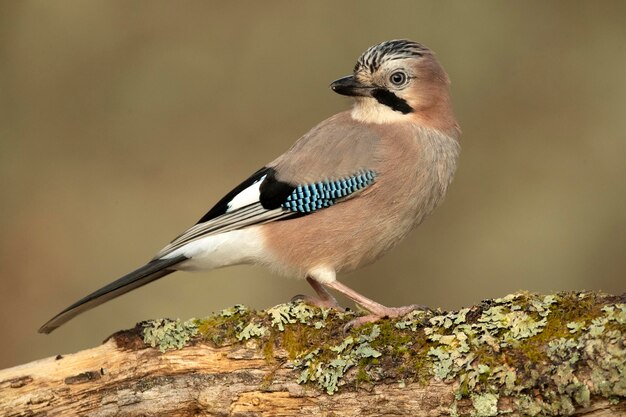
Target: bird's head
{"type": "Point", "coordinates": [397, 80]}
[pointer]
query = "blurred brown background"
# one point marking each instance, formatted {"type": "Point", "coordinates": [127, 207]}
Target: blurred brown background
{"type": "Point", "coordinates": [121, 123]}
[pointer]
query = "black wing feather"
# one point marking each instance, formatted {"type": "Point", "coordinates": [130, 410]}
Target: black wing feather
{"type": "Point", "coordinates": [273, 193]}
{"type": "Point", "coordinates": [222, 205]}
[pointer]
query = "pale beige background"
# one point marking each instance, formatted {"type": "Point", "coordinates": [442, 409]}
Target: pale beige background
{"type": "Point", "coordinates": [121, 123]}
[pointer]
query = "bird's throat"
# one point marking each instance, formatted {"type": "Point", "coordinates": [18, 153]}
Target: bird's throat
{"type": "Point", "coordinates": [372, 110]}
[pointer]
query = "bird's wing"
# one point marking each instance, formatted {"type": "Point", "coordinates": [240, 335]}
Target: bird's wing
{"type": "Point", "coordinates": [335, 161]}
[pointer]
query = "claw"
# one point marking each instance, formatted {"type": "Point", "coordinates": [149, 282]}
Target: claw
{"type": "Point", "coordinates": [298, 297]}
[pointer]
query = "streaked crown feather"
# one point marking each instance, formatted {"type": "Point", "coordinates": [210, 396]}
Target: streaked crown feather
{"type": "Point", "coordinates": [376, 55]}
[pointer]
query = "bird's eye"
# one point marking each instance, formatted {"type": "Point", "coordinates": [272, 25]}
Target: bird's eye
{"type": "Point", "coordinates": [398, 78]}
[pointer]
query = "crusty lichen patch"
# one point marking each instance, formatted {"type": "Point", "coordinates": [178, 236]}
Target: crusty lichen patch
{"type": "Point", "coordinates": [548, 355]}
{"type": "Point", "coordinates": [168, 334]}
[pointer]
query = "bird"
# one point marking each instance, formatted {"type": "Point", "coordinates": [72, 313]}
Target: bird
{"type": "Point", "coordinates": [342, 196]}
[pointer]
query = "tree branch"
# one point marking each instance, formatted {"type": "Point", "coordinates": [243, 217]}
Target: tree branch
{"type": "Point", "coordinates": [520, 355]}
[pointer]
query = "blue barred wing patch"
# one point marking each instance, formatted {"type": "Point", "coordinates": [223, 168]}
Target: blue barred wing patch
{"type": "Point", "coordinates": [307, 198]}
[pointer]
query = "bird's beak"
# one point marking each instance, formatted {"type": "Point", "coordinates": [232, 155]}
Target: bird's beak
{"type": "Point", "coordinates": [350, 86]}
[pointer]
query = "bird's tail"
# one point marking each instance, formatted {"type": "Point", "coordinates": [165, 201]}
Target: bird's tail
{"type": "Point", "coordinates": [152, 271]}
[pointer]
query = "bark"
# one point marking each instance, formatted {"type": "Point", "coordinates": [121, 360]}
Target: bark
{"type": "Point", "coordinates": [241, 363]}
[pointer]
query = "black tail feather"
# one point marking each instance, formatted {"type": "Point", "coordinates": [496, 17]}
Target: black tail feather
{"type": "Point", "coordinates": [150, 272]}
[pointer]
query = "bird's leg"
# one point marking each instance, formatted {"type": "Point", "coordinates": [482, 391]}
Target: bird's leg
{"type": "Point", "coordinates": [378, 310]}
{"type": "Point", "coordinates": [324, 299]}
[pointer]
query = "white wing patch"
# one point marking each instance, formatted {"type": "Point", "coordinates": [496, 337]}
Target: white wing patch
{"type": "Point", "coordinates": [248, 196]}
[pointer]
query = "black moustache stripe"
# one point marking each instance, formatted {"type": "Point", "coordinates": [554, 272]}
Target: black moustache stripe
{"type": "Point", "coordinates": [391, 100]}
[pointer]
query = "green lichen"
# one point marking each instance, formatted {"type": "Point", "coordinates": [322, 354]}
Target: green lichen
{"type": "Point", "coordinates": [485, 405]}
{"type": "Point", "coordinates": [328, 373]}
{"type": "Point", "coordinates": [528, 405]}
{"type": "Point", "coordinates": [291, 313]}
{"type": "Point", "coordinates": [168, 334]}
{"type": "Point", "coordinates": [454, 412]}
{"type": "Point", "coordinates": [548, 355]}
{"type": "Point", "coordinates": [224, 327]}
{"type": "Point", "coordinates": [252, 329]}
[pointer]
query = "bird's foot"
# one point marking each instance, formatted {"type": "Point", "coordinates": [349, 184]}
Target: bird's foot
{"type": "Point", "coordinates": [319, 302]}
{"type": "Point", "coordinates": [385, 312]}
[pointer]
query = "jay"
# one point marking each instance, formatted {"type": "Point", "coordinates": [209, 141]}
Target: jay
{"type": "Point", "coordinates": [343, 195]}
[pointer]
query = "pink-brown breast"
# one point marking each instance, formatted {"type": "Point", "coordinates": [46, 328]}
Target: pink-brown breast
{"type": "Point", "coordinates": [414, 167]}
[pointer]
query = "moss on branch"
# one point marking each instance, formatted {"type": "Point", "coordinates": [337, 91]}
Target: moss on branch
{"type": "Point", "coordinates": [524, 354]}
